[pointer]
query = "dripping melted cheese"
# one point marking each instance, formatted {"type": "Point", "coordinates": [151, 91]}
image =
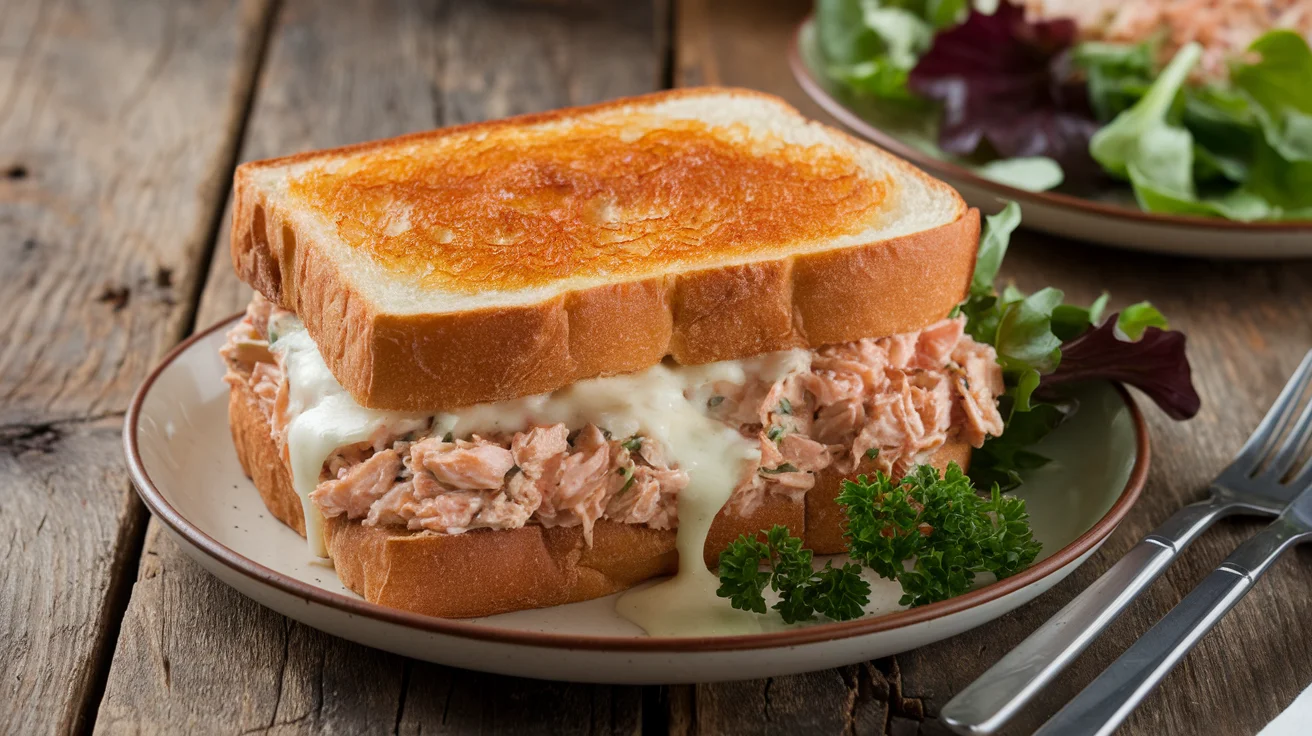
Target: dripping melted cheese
{"type": "Point", "coordinates": [667, 403]}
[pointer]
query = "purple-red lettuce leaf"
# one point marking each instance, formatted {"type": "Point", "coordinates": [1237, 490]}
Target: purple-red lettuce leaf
{"type": "Point", "coordinates": [1008, 81]}
{"type": "Point", "coordinates": [1155, 364]}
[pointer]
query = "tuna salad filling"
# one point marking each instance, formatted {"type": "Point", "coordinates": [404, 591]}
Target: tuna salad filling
{"type": "Point", "coordinates": [889, 403]}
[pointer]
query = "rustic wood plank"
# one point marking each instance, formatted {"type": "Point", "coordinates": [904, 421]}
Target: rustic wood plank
{"type": "Point", "coordinates": [116, 125]}
{"type": "Point", "coordinates": [195, 656]}
{"type": "Point", "coordinates": [1248, 328]}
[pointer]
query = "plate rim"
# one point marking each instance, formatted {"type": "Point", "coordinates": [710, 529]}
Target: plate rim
{"type": "Point", "coordinates": [815, 89]}
{"type": "Point", "coordinates": [819, 633]}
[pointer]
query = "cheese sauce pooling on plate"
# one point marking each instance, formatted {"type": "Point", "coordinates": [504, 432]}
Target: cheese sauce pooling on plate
{"type": "Point", "coordinates": [666, 403]}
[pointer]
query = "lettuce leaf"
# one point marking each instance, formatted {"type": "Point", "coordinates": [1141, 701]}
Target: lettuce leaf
{"type": "Point", "coordinates": [1242, 151]}
{"type": "Point", "coordinates": [1280, 83]}
{"type": "Point", "coordinates": [1116, 75]}
{"type": "Point", "coordinates": [871, 45]}
{"type": "Point", "coordinates": [1154, 362]}
{"type": "Point", "coordinates": [1004, 84]}
{"type": "Point", "coordinates": [1045, 345]}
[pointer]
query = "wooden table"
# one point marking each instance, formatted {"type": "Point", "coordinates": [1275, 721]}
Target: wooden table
{"type": "Point", "coordinates": [120, 124]}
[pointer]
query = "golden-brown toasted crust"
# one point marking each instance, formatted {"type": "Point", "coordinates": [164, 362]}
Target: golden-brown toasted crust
{"type": "Point", "coordinates": [617, 198]}
{"type": "Point", "coordinates": [430, 362]}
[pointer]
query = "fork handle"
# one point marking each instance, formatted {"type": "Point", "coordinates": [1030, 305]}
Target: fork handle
{"type": "Point", "coordinates": [992, 699]}
{"type": "Point", "coordinates": [1106, 702]}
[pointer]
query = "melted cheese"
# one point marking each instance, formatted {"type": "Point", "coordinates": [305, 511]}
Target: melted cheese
{"type": "Point", "coordinates": [666, 403]}
{"type": "Point", "coordinates": [322, 417]}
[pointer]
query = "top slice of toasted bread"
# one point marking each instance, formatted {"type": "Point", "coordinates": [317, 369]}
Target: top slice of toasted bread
{"type": "Point", "coordinates": [495, 260]}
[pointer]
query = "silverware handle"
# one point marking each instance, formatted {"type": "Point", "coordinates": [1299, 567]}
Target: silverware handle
{"type": "Point", "coordinates": [1106, 702]}
{"type": "Point", "coordinates": [992, 699]}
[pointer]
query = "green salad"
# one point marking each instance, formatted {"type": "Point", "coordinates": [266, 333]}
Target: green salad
{"type": "Point", "coordinates": [1024, 101]}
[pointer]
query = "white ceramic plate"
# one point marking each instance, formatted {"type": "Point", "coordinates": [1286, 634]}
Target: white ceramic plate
{"type": "Point", "coordinates": [1115, 220]}
{"type": "Point", "coordinates": [181, 459]}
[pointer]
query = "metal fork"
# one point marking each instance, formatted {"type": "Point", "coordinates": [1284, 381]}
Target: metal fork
{"type": "Point", "coordinates": [1247, 485]}
{"type": "Point", "coordinates": [1106, 702]}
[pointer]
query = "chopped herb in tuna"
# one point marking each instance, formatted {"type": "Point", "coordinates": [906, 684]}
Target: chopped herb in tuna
{"type": "Point", "coordinates": [627, 485]}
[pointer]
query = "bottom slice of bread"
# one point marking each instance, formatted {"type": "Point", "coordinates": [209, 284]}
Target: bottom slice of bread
{"type": "Point", "coordinates": [483, 571]}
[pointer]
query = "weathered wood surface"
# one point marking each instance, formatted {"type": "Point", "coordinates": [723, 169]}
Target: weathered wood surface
{"type": "Point", "coordinates": [1248, 328]}
{"type": "Point", "coordinates": [116, 122]}
{"type": "Point", "coordinates": [193, 655]}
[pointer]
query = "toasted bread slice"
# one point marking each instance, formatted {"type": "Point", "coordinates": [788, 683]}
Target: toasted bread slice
{"type": "Point", "coordinates": [484, 572]}
{"type": "Point", "coordinates": [496, 260]}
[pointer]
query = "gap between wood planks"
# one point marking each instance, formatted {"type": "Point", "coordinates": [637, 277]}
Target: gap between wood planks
{"type": "Point", "coordinates": [132, 535]}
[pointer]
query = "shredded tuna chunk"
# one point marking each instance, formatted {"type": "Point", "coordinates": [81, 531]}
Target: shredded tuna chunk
{"type": "Point", "coordinates": [581, 493]}
{"type": "Point", "coordinates": [895, 399]}
{"type": "Point", "coordinates": [978, 384]}
{"type": "Point", "coordinates": [359, 486]}
{"type": "Point", "coordinates": [651, 498]}
{"type": "Point", "coordinates": [461, 465]}
{"type": "Point", "coordinates": [246, 354]}
{"type": "Point", "coordinates": [804, 453]}
{"type": "Point", "coordinates": [535, 449]}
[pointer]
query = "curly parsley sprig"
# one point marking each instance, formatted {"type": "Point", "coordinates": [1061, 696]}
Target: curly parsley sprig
{"type": "Point", "coordinates": [931, 533]}
{"type": "Point", "coordinates": [836, 592]}
{"type": "Point", "coordinates": [950, 532]}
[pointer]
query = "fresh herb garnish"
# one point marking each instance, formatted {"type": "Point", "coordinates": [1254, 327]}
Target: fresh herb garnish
{"type": "Point", "coordinates": [872, 453]}
{"type": "Point", "coordinates": [785, 468]}
{"type": "Point", "coordinates": [1032, 334]}
{"type": "Point", "coordinates": [836, 592]}
{"type": "Point", "coordinates": [951, 533]}
{"type": "Point", "coordinates": [937, 525]}
{"type": "Point", "coordinates": [785, 406]}
{"type": "Point", "coordinates": [632, 444]}
{"type": "Point", "coordinates": [775, 433]}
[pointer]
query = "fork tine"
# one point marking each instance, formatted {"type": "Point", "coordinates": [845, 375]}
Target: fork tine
{"type": "Point", "coordinates": [1263, 439]}
{"type": "Point", "coordinates": [1304, 477]}
{"type": "Point", "coordinates": [1292, 447]}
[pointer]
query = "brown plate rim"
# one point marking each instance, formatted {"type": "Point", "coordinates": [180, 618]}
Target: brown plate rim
{"type": "Point", "coordinates": [815, 89]}
{"type": "Point", "coordinates": [165, 512]}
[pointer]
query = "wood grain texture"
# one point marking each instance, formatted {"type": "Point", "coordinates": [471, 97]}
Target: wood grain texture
{"type": "Point", "coordinates": [115, 123]}
{"type": "Point", "coordinates": [1247, 325]}
{"type": "Point", "coordinates": [193, 655]}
